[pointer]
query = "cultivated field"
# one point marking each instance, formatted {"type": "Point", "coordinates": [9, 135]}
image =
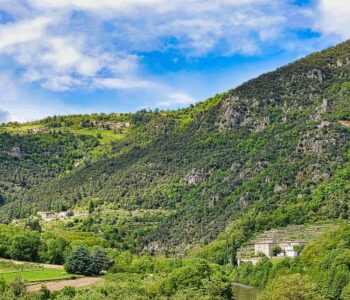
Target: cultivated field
{"type": "Point", "coordinates": [30, 272]}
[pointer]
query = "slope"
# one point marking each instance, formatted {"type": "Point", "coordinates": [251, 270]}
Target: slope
{"type": "Point", "coordinates": [272, 152]}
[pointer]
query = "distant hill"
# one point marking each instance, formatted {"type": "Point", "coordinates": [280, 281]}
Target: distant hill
{"type": "Point", "coordinates": [272, 152]}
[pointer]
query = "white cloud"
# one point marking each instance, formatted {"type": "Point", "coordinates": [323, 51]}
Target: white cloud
{"type": "Point", "coordinates": [121, 84]}
{"type": "Point", "coordinates": [178, 98]}
{"type": "Point", "coordinates": [333, 17]}
{"type": "Point", "coordinates": [61, 51]}
{"type": "Point", "coordinates": [85, 45]}
{"type": "Point", "coordinates": [23, 32]}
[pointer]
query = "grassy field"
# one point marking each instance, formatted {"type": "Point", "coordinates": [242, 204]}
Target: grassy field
{"type": "Point", "coordinates": [31, 272]}
{"type": "Point", "coordinates": [36, 275]}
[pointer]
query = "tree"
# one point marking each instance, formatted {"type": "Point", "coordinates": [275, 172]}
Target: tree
{"type": "Point", "coordinates": [25, 247]}
{"type": "Point", "coordinates": [291, 287]}
{"type": "Point", "coordinates": [33, 224]}
{"type": "Point", "coordinates": [17, 287]}
{"type": "Point", "coordinates": [345, 295]}
{"type": "Point", "coordinates": [99, 261]}
{"type": "Point", "coordinates": [44, 293]}
{"type": "Point", "coordinates": [56, 249]}
{"type": "Point", "coordinates": [234, 254]}
{"type": "Point", "coordinates": [79, 261]}
{"type": "Point", "coordinates": [276, 250]}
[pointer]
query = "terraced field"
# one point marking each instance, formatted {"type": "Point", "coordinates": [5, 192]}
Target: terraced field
{"type": "Point", "coordinates": [305, 232]}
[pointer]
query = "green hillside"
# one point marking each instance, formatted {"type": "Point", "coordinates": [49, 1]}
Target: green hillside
{"type": "Point", "coordinates": [272, 152]}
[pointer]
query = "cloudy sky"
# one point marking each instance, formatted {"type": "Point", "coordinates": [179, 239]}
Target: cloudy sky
{"type": "Point", "coordinates": [81, 56]}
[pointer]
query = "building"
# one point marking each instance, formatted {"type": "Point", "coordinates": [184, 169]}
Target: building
{"type": "Point", "coordinates": [290, 248]}
{"type": "Point", "coordinates": [264, 247]}
{"type": "Point", "coordinates": [287, 248]}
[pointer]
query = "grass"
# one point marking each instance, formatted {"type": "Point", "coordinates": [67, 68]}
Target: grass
{"type": "Point", "coordinates": [36, 275]}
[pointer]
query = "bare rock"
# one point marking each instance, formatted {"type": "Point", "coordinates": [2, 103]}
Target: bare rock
{"type": "Point", "coordinates": [195, 177]}
{"type": "Point", "coordinates": [315, 142]}
{"type": "Point", "coordinates": [15, 152]}
{"type": "Point", "coordinates": [279, 188]}
{"type": "Point", "coordinates": [214, 200]}
{"type": "Point", "coordinates": [244, 202]}
{"type": "Point", "coordinates": [316, 74]}
{"type": "Point", "coordinates": [235, 167]}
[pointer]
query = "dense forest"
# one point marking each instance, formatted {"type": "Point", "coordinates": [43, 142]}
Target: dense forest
{"type": "Point", "coordinates": [272, 152]}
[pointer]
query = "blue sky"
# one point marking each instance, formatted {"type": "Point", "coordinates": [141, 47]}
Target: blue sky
{"type": "Point", "coordinates": [83, 56]}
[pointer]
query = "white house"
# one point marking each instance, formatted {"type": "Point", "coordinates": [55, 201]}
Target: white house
{"type": "Point", "coordinates": [289, 248]}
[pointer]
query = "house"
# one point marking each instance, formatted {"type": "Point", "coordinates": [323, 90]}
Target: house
{"type": "Point", "coordinates": [264, 247]}
{"type": "Point", "coordinates": [290, 248]}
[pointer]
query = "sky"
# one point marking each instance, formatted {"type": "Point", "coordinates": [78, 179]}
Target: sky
{"type": "Point", "coordinates": [61, 57]}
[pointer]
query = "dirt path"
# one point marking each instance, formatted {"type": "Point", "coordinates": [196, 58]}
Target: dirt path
{"type": "Point", "coordinates": [58, 285]}
{"type": "Point", "coordinates": [46, 266]}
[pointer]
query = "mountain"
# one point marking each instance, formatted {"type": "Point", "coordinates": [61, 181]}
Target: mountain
{"type": "Point", "coordinates": [274, 151]}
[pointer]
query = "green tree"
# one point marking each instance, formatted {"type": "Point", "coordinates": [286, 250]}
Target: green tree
{"type": "Point", "coordinates": [17, 287]}
{"type": "Point", "coordinates": [99, 261]}
{"type": "Point", "coordinates": [25, 246]}
{"type": "Point", "coordinates": [56, 249]}
{"type": "Point", "coordinates": [291, 287]}
{"type": "Point", "coordinates": [345, 295]}
{"type": "Point", "coordinates": [276, 250]}
{"type": "Point", "coordinates": [33, 224]}
{"type": "Point", "coordinates": [44, 293]}
{"type": "Point", "coordinates": [79, 261]}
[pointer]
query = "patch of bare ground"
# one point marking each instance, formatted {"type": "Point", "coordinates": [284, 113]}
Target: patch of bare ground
{"type": "Point", "coordinates": [58, 285]}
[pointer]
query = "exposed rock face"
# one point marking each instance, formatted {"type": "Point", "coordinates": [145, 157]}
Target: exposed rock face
{"type": "Point", "coordinates": [320, 111]}
{"type": "Point", "coordinates": [233, 113]}
{"type": "Point", "coordinates": [250, 172]}
{"type": "Point", "coordinates": [279, 188]}
{"type": "Point", "coordinates": [235, 167]}
{"type": "Point", "coordinates": [195, 177]}
{"type": "Point", "coordinates": [244, 202]}
{"type": "Point", "coordinates": [315, 142]}
{"type": "Point", "coordinates": [316, 74]}
{"type": "Point", "coordinates": [314, 172]}
{"type": "Point", "coordinates": [237, 112]}
{"type": "Point", "coordinates": [15, 152]}
{"type": "Point", "coordinates": [213, 200]}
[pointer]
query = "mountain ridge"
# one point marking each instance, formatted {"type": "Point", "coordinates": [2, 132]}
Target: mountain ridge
{"type": "Point", "coordinates": [264, 154]}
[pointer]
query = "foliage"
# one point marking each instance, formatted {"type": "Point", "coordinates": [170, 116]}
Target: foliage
{"type": "Point", "coordinates": [79, 261]}
{"type": "Point", "coordinates": [291, 287]}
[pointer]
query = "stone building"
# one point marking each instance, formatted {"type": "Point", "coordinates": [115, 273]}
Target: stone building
{"type": "Point", "coordinates": [264, 247]}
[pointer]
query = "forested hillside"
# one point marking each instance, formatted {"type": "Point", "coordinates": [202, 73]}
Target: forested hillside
{"type": "Point", "coordinates": [272, 152]}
